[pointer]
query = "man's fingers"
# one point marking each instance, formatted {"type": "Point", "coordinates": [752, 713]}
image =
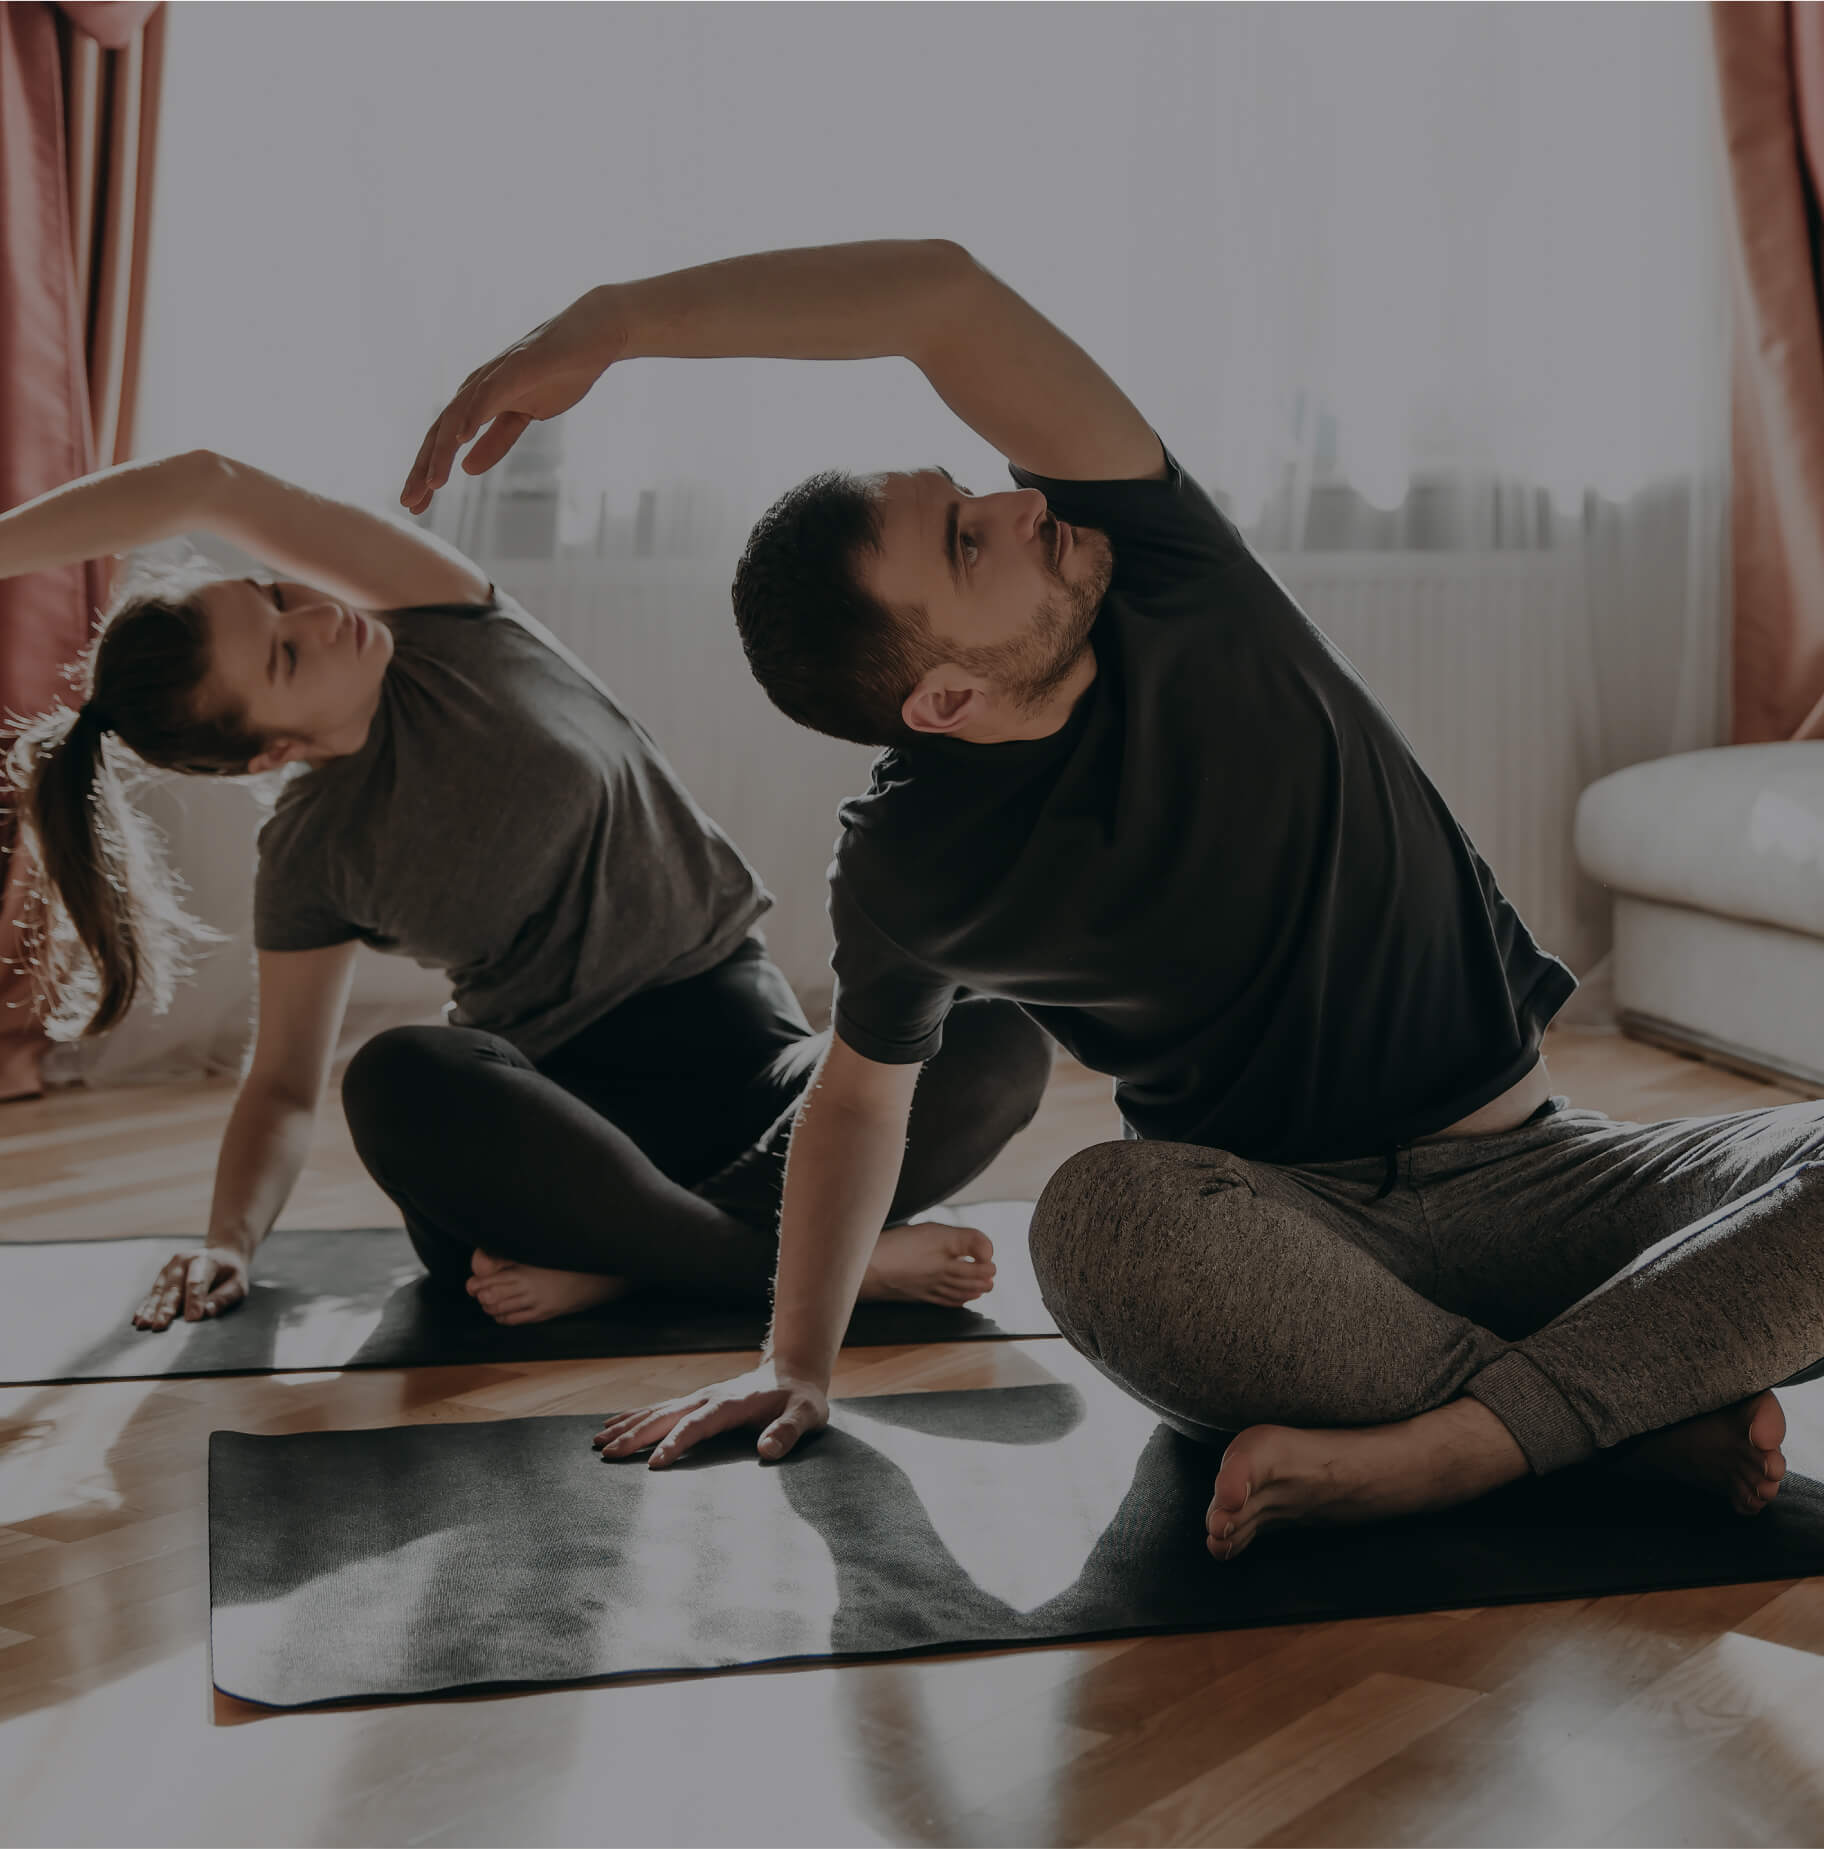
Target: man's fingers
{"type": "Point", "coordinates": [641, 1427]}
{"type": "Point", "coordinates": [494, 442]}
{"type": "Point", "coordinates": [446, 440]}
{"type": "Point", "coordinates": [414, 493]}
{"type": "Point", "coordinates": [438, 451]}
{"type": "Point", "coordinates": [691, 1430]}
{"type": "Point", "coordinates": [780, 1436]}
{"type": "Point", "coordinates": [801, 1415]}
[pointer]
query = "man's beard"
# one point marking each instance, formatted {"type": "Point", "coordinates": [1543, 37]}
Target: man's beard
{"type": "Point", "coordinates": [1032, 667]}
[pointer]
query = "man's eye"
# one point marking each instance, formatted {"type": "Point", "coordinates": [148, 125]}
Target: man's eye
{"type": "Point", "coordinates": [965, 544]}
{"type": "Point", "coordinates": [291, 651]}
{"type": "Point", "coordinates": [278, 598]}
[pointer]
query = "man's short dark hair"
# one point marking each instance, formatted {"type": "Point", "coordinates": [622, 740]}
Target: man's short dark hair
{"type": "Point", "coordinates": [828, 653]}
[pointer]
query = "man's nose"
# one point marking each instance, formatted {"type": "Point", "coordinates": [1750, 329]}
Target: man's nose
{"type": "Point", "coordinates": [1028, 510]}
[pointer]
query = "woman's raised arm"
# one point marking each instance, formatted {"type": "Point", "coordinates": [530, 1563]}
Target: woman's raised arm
{"type": "Point", "coordinates": [366, 558]}
{"type": "Point", "coordinates": [136, 504]}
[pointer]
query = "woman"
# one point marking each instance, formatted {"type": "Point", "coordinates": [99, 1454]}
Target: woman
{"type": "Point", "coordinates": [610, 1103]}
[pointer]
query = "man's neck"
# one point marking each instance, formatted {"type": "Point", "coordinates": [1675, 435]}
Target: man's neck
{"type": "Point", "coordinates": [1050, 716]}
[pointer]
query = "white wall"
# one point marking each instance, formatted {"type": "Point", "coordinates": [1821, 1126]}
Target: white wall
{"type": "Point", "coordinates": [1226, 205]}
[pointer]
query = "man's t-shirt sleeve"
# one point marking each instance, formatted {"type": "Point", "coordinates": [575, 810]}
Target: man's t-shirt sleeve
{"type": "Point", "coordinates": [889, 1007]}
{"type": "Point", "coordinates": [1165, 530]}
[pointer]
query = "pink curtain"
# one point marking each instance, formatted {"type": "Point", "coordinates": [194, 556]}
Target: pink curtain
{"type": "Point", "coordinates": [78, 129]}
{"type": "Point", "coordinates": [1770, 71]}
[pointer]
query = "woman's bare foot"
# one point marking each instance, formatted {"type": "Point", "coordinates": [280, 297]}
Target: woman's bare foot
{"type": "Point", "coordinates": [1734, 1451]}
{"type": "Point", "coordinates": [1272, 1474]}
{"type": "Point", "coordinates": [514, 1293]}
{"type": "Point", "coordinates": [929, 1263]}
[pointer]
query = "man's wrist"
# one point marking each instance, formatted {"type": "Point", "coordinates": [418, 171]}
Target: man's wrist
{"type": "Point", "coordinates": [608, 316]}
{"type": "Point", "coordinates": [797, 1370]}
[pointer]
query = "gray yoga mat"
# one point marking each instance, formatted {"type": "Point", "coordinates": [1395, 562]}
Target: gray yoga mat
{"type": "Point", "coordinates": [361, 1300]}
{"type": "Point", "coordinates": [424, 1559]}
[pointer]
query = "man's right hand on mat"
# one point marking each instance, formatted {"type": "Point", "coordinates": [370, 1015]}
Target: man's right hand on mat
{"type": "Point", "coordinates": [194, 1285]}
{"type": "Point", "coordinates": [788, 1409]}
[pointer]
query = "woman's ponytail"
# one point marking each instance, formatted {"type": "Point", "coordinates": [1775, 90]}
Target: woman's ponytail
{"type": "Point", "coordinates": [103, 919]}
{"type": "Point", "coordinates": [86, 940]}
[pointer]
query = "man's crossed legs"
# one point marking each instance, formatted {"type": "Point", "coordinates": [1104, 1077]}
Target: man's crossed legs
{"type": "Point", "coordinates": [1512, 1302]}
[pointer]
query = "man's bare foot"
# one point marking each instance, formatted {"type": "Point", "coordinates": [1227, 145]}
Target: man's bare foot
{"type": "Point", "coordinates": [1272, 1474]}
{"type": "Point", "coordinates": [514, 1293]}
{"type": "Point", "coordinates": [929, 1263]}
{"type": "Point", "coordinates": [1734, 1451]}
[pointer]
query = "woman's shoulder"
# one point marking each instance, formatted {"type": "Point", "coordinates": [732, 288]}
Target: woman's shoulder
{"type": "Point", "coordinates": [297, 815]}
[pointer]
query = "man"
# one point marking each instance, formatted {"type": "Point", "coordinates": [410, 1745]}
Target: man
{"type": "Point", "coordinates": [1131, 787]}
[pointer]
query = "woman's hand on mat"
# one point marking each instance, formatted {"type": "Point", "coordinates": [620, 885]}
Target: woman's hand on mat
{"type": "Point", "coordinates": [786, 1408]}
{"type": "Point", "coordinates": [195, 1286]}
{"type": "Point", "coordinates": [539, 376]}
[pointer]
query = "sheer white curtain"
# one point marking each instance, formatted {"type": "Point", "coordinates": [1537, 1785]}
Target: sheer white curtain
{"type": "Point", "coordinates": [1401, 279]}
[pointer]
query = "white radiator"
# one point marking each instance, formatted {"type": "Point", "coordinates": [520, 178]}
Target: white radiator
{"type": "Point", "coordinates": [1483, 661]}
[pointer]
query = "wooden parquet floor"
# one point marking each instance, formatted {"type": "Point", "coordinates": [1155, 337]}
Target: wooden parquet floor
{"type": "Point", "coordinates": [1689, 1717]}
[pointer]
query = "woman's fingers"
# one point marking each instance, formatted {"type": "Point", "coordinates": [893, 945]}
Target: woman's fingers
{"type": "Point", "coordinates": [198, 1276]}
{"type": "Point", "coordinates": [228, 1292]}
{"type": "Point", "coordinates": [165, 1298]}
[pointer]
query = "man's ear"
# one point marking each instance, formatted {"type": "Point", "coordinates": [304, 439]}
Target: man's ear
{"type": "Point", "coordinates": [944, 702]}
{"type": "Point", "coordinates": [280, 751]}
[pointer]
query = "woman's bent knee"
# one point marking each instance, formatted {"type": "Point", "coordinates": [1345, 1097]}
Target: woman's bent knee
{"type": "Point", "coordinates": [385, 1066]}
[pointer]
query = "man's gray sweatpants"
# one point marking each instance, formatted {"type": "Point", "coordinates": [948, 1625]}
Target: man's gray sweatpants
{"type": "Point", "coordinates": [1586, 1280]}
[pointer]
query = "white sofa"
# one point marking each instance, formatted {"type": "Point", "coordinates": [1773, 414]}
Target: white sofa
{"type": "Point", "coordinates": [1716, 862]}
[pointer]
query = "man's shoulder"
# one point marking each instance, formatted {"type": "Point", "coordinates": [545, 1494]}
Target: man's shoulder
{"type": "Point", "coordinates": [1171, 507]}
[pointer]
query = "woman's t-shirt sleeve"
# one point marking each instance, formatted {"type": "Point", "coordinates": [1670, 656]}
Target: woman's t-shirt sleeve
{"type": "Point", "coordinates": [889, 1007]}
{"type": "Point", "coordinates": [292, 906]}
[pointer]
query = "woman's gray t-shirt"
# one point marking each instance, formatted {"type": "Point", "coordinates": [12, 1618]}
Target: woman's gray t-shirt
{"type": "Point", "coordinates": [507, 823]}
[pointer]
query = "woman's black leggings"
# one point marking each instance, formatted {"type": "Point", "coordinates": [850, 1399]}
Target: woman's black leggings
{"type": "Point", "coordinates": [652, 1145]}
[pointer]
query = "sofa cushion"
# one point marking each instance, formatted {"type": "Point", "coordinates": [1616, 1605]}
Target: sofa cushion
{"type": "Point", "coordinates": [1738, 831]}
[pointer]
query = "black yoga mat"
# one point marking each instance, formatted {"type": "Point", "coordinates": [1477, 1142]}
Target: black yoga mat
{"type": "Point", "coordinates": [361, 1300]}
{"type": "Point", "coordinates": [419, 1559]}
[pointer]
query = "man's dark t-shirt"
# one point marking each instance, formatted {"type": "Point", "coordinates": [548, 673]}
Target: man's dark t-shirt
{"type": "Point", "coordinates": [1226, 880]}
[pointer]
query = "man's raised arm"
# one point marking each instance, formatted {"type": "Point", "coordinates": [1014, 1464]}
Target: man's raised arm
{"type": "Point", "coordinates": [1012, 377]}
{"type": "Point", "coordinates": [847, 1146]}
